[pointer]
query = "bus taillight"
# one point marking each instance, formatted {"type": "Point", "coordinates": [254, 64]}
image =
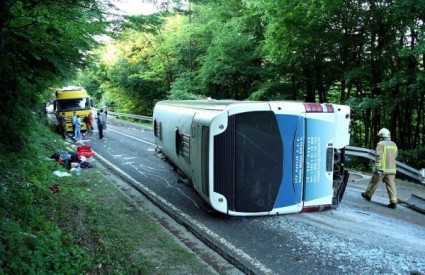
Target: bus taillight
{"type": "Point", "coordinates": [318, 108]}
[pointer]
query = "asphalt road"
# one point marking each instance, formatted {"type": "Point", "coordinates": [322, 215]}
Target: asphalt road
{"type": "Point", "coordinates": [359, 237]}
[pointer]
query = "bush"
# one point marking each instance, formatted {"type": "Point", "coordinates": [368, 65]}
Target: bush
{"type": "Point", "coordinates": [414, 158]}
{"type": "Point", "coordinates": [359, 163]}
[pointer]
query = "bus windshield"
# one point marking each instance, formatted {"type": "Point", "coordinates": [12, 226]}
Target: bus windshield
{"type": "Point", "coordinates": [259, 161]}
{"type": "Point", "coordinates": [74, 104]}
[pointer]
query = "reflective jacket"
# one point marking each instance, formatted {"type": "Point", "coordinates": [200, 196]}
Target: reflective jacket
{"type": "Point", "coordinates": [386, 154]}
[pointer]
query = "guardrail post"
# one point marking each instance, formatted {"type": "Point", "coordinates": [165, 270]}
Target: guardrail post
{"type": "Point", "coordinates": [422, 175]}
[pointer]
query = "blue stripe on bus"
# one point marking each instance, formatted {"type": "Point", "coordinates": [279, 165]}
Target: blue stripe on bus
{"type": "Point", "coordinates": [292, 131]}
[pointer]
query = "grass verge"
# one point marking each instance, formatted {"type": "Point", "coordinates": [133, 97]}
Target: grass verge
{"type": "Point", "coordinates": [87, 227]}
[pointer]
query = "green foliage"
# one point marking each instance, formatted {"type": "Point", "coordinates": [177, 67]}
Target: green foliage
{"type": "Point", "coordinates": [414, 158]}
{"type": "Point", "coordinates": [121, 238]}
{"type": "Point", "coordinates": [149, 24]}
{"type": "Point", "coordinates": [76, 231]}
{"type": "Point", "coordinates": [41, 42]}
{"type": "Point", "coordinates": [184, 88]}
{"type": "Point", "coordinates": [274, 90]}
{"type": "Point", "coordinates": [227, 72]}
{"type": "Point", "coordinates": [368, 54]}
{"type": "Point", "coordinates": [359, 164]}
{"type": "Point", "coordinates": [136, 69]}
{"type": "Point", "coordinates": [31, 242]}
{"type": "Point", "coordinates": [183, 95]}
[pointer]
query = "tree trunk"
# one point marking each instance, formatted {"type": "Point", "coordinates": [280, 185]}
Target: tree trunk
{"type": "Point", "coordinates": [309, 86]}
{"type": "Point", "coordinates": [318, 78]}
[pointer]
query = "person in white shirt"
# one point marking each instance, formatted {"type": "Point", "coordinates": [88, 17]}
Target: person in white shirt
{"type": "Point", "coordinates": [77, 133]}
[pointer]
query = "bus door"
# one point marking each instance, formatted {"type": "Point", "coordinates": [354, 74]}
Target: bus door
{"type": "Point", "coordinates": [200, 154]}
{"type": "Point", "coordinates": [318, 185]}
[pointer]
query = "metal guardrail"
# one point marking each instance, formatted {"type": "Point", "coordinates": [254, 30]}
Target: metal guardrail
{"type": "Point", "coordinates": [401, 167]}
{"type": "Point", "coordinates": [132, 117]}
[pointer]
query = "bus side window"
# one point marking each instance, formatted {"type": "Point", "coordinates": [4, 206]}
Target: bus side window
{"type": "Point", "coordinates": [157, 129]}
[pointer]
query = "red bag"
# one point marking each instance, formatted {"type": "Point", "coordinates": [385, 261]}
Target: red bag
{"type": "Point", "coordinates": [85, 150]}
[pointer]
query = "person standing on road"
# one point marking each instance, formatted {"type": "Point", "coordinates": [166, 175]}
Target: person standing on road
{"type": "Point", "coordinates": [90, 123]}
{"type": "Point", "coordinates": [103, 115]}
{"type": "Point", "coordinates": [77, 133]}
{"type": "Point", "coordinates": [62, 125]}
{"type": "Point", "coordinates": [99, 125]}
{"type": "Point", "coordinates": [74, 121]}
{"type": "Point", "coordinates": [385, 168]}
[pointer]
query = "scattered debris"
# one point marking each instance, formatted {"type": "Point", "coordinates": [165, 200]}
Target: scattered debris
{"type": "Point", "coordinates": [61, 174]}
{"type": "Point", "coordinates": [54, 188]}
{"type": "Point", "coordinates": [75, 161]}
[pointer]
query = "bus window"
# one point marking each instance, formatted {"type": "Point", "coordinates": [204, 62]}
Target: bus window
{"type": "Point", "coordinates": [259, 161]}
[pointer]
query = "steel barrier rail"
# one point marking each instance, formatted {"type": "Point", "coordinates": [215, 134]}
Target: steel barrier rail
{"type": "Point", "coordinates": [133, 117]}
{"type": "Point", "coordinates": [137, 117]}
{"type": "Point", "coordinates": [401, 167]}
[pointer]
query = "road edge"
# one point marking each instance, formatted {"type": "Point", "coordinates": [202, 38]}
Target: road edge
{"type": "Point", "coordinates": [221, 246]}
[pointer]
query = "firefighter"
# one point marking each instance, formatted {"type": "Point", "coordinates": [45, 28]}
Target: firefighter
{"type": "Point", "coordinates": [385, 168]}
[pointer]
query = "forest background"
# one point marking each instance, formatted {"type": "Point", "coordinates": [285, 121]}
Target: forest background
{"type": "Point", "coordinates": [366, 54]}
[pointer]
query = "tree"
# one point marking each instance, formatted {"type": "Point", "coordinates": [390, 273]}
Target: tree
{"type": "Point", "coordinates": [368, 54]}
{"type": "Point", "coordinates": [225, 37]}
{"type": "Point", "coordinates": [41, 42]}
{"type": "Point", "coordinates": [138, 67]}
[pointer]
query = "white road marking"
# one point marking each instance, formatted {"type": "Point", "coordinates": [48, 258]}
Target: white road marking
{"type": "Point", "coordinates": [148, 174]}
{"type": "Point", "coordinates": [193, 223]}
{"type": "Point", "coordinates": [130, 158]}
{"type": "Point", "coordinates": [133, 137]}
{"type": "Point", "coordinates": [167, 182]}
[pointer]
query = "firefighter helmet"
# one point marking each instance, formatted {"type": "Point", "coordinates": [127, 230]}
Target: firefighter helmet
{"type": "Point", "coordinates": [384, 133]}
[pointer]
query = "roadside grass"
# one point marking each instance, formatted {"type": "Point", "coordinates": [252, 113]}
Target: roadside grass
{"type": "Point", "coordinates": [120, 238]}
{"type": "Point", "coordinates": [89, 226]}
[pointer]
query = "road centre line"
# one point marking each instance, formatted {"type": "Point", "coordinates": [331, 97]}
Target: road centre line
{"type": "Point", "coordinates": [133, 137]}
